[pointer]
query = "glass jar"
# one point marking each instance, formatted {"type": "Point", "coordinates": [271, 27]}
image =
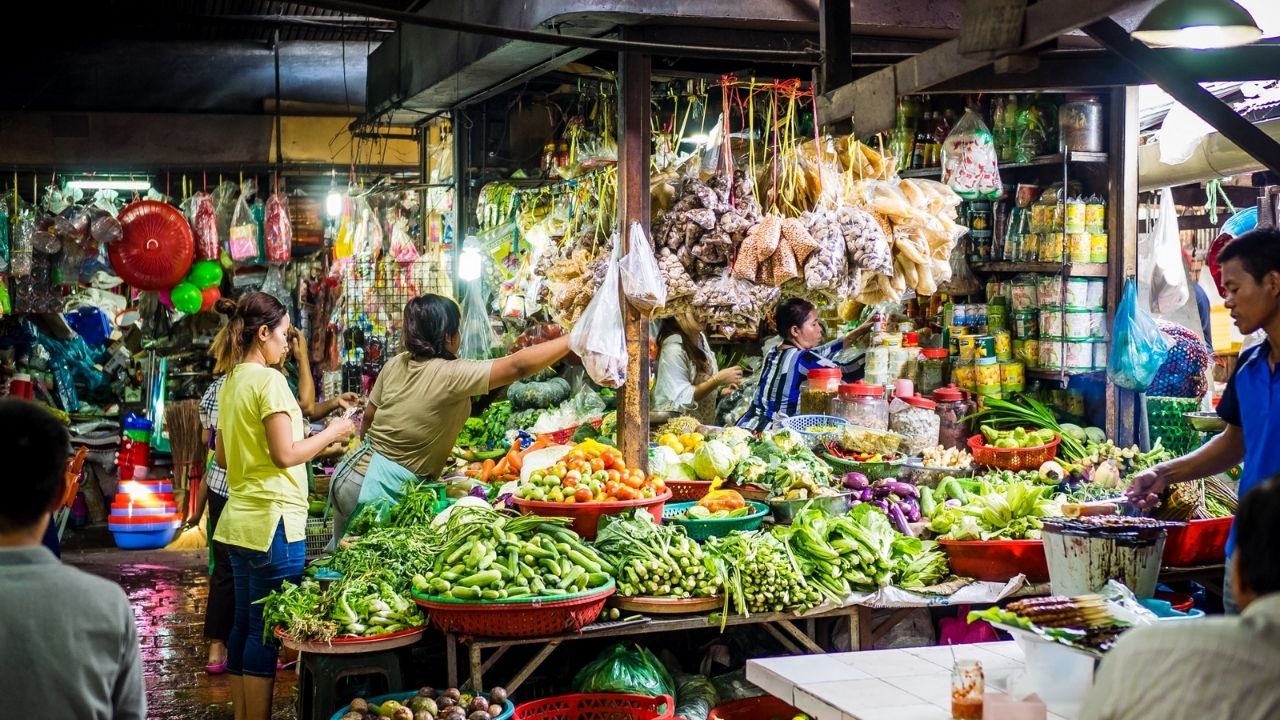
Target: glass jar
{"type": "Point", "coordinates": [818, 390]}
{"type": "Point", "coordinates": [864, 405]}
{"type": "Point", "coordinates": [918, 422]}
{"type": "Point", "coordinates": [967, 690]}
{"type": "Point", "coordinates": [952, 409]}
{"type": "Point", "coordinates": [933, 366]}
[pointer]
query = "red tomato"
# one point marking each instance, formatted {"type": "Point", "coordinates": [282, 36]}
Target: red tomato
{"type": "Point", "coordinates": [582, 495]}
{"type": "Point", "coordinates": [597, 464]}
{"type": "Point", "coordinates": [632, 481]}
{"type": "Point", "coordinates": [569, 482]}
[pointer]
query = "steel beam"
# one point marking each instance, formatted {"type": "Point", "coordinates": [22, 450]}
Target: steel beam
{"type": "Point", "coordinates": [1187, 91]}
{"type": "Point", "coordinates": [1098, 69]}
{"type": "Point", "coordinates": [634, 109]}
{"type": "Point", "coordinates": [1045, 21]}
{"type": "Point", "coordinates": [834, 19]}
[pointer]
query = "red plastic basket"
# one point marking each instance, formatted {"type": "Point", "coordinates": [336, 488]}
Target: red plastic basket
{"type": "Point", "coordinates": [586, 516]}
{"type": "Point", "coordinates": [688, 489]}
{"type": "Point", "coordinates": [1014, 459]}
{"type": "Point", "coordinates": [562, 437]}
{"type": "Point", "coordinates": [1199, 542]}
{"type": "Point", "coordinates": [598, 706]}
{"type": "Point", "coordinates": [765, 707]}
{"type": "Point", "coordinates": [497, 619]}
{"type": "Point", "coordinates": [997, 560]}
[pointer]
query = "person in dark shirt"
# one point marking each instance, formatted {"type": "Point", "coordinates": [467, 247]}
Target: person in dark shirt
{"type": "Point", "coordinates": [1202, 298]}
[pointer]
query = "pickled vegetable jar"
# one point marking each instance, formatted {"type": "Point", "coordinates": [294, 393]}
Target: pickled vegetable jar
{"type": "Point", "coordinates": [818, 390]}
{"type": "Point", "coordinates": [952, 409]}
{"type": "Point", "coordinates": [865, 405]}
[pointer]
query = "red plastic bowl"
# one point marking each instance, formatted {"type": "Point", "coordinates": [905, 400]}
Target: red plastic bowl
{"type": "Point", "coordinates": [765, 707]}
{"type": "Point", "coordinates": [1200, 542]}
{"type": "Point", "coordinates": [1178, 601]}
{"type": "Point", "coordinates": [997, 560]}
{"type": "Point", "coordinates": [586, 516]}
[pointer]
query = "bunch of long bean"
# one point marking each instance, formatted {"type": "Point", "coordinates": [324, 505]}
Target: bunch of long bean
{"type": "Point", "coordinates": [656, 560]}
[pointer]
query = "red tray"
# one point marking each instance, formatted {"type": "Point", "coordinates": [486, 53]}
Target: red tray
{"type": "Point", "coordinates": [598, 706]}
{"type": "Point", "coordinates": [765, 707]}
{"type": "Point", "coordinates": [997, 560]}
{"type": "Point", "coordinates": [586, 516]}
{"type": "Point", "coordinates": [1199, 542]}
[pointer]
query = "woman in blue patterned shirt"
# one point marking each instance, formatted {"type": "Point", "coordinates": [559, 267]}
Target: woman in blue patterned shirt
{"type": "Point", "coordinates": [787, 365]}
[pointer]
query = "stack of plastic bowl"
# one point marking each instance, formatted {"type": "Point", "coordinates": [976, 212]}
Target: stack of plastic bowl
{"type": "Point", "coordinates": [144, 515]}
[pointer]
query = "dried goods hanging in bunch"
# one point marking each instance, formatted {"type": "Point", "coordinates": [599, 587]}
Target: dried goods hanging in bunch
{"type": "Point", "coordinates": [865, 240]}
{"type": "Point", "coordinates": [827, 271]}
{"type": "Point", "coordinates": [703, 227]}
{"type": "Point", "coordinates": [725, 300]}
{"type": "Point", "coordinates": [203, 217]}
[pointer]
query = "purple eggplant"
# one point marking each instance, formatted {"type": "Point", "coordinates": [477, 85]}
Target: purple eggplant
{"type": "Point", "coordinates": [856, 481]}
{"type": "Point", "coordinates": [900, 521]}
{"type": "Point", "coordinates": [882, 504]}
{"type": "Point", "coordinates": [867, 495]}
{"type": "Point", "coordinates": [952, 503]}
{"type": "Point", "coordinates": [900, 488]}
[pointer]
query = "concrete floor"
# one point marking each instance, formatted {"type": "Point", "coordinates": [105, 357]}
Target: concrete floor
{"type": "Point", "coordinates": [168, 589]}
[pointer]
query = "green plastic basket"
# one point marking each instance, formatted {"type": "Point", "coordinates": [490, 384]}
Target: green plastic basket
{"type": "Point", "coordinates": [1166, 419]}
{"type": "Point", "coordinates": [703, 529]}
{"type": "Point", "coordinates": [873, 471]}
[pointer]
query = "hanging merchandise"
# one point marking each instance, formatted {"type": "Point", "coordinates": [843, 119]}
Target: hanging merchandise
{"type": "Point", "coordinates": [274, 286]}
{"type": "Point", "coordinates": [366, 233]}
{"type": "Point", "coordinates": [598, 337]}
{"type": "Point", "coordinates": [279, 231]}
{"type": "Point", "coordinates": [1169, 290]}
{"type": "Point", "coordinates": [242, 242]}
{"type": "Point", "coordinates": [402, 246]}
{"type": "Point", "coordinates": [20, 252]}
{"type": "Point", "coordinates": [226, 199]}
{"type": "Point", "coordinates": [641, 277]}
{"type": "Point", "coordinates": [104, 228]}
{"type": "Point", "coordinates": [970, 165]}
{"type": "Point", "coordinates": [204, 226]}
{"type": "Point", "coordinates": [156, 249]}
{"type": "Point", "coordinates": [186, 298]}
{"type": "Point", "coordinates": [1138, 348]}
{"type": "Point", "coordinates": [4, 238]}
{"type": "Point", "coordinates": [478, 338]}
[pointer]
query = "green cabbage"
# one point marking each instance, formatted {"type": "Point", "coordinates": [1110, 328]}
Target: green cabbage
{"type": "Point", "coordinates": [714, 460]}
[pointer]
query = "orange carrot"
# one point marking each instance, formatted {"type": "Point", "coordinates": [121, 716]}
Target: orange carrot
{"type": "Point", "coordinates": [486, 470]}
{"type": "Point", "coordinates": [514, 459]}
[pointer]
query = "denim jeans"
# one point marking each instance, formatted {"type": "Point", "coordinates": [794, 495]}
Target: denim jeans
{"type": "Point", "coordinates": [258, 574]}
{"type": "Point", "coordinates": [1229, 606]}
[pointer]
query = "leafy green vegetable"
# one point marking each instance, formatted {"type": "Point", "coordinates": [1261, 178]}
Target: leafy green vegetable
{"type": "Point", "coordinates": [1011, 511]}
{"type": "Point", "coordinates": [487, 431]}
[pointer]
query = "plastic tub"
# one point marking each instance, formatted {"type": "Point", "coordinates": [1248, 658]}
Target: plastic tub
{"type": "Point", "coordinates": [508, 707]}
{"type": "Point", "coordinates": [152, 539]}
{"type": "Point", "coordinates": [714, 527]}
{"type": "Point", "coordinates": [997, 560]}
{"type": "Point", "coordinates": [598, 706]}
{"type": "Point", "coordinates": [682, 490]}
{"type": "Point", "coordinates": [586, 516]}
{"type": "Point", "coordinates": [1200, 542]}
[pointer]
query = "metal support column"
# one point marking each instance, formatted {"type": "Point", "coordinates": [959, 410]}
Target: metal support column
{"type": "Point", "coordinates": [633, 206]}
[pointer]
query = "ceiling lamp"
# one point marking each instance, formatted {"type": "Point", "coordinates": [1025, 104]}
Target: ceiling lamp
{"type": "Point", "coordinates": [1198, 24]}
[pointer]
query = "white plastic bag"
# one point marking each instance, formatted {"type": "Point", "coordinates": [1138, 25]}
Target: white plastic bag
{"type": "Point", "coordinates": [1169, 289]}
{"type": "Point", "coordinates": [478, 337]}
{"type": "Point", "coordinates": [243, 235]}
{"type": "Point", "coordinates": [970, 165]}
{"type": "Point", "coordinates": [598, 337]}
{"type": "Point", "coordinates": [641, 277]}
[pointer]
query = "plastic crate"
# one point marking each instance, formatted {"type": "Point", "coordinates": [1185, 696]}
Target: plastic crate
{"type": "Point", "coordinates": [524, 617]}
{"type": "Point", "coordinates": [319, 533]}
{"type": "Point", "coordinates": [598, 706]}
{"type": "Point", "coordinates": [997, 560]}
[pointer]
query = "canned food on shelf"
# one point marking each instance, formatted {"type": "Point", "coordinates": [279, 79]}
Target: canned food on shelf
{"type": "Point", "coordinates": [1076, 323]}
{"type": "Point", "coordinates": [1051, 321]}
{"type": "Point", "coordinates": [1051, 352]}
{"type": "Point", "coordinates": [1078, 354]}
{"type": "Point", "coordinates": [1026, 324]}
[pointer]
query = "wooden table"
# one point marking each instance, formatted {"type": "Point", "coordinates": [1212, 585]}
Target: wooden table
{"type": "Point", "coordinates": [784, 627]}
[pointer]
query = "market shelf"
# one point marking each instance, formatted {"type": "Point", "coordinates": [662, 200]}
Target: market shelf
{"type": "Point", "coordinates": [1054, 159]}
{"type": "Point", "coordinates": [1094, 270]}
{"type": "Point", "coordinates": [1047, 374]}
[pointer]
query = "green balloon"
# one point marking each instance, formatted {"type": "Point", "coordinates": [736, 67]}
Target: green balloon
{"type": "Point", "coordinates": [205, 274]}
{"type": "Point", "coordinates": [186, 298]}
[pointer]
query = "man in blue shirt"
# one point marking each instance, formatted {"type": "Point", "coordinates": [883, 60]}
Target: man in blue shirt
{"type": "Point", "coordinates": [1251, 403]}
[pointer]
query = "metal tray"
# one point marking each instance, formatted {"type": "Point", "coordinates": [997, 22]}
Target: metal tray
{"type": "Point", "coordinates": [354, 646]}
{"type": "Point", "coordinates": [666, 605]}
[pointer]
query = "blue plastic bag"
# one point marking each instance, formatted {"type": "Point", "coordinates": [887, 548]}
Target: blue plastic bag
{"type": "Point", "coordinates": [1138, 348]}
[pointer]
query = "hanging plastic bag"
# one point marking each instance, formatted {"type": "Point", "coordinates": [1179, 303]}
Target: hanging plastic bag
{"type": "Point", "coordinates": [962, 282]}
{"type": "Point", "coordinates": [204, 226]}
{"type": "Point", "coordinates": [598, 337]}
{"type": "Point", "coordinates": [4, 238]}
{"type": "Point", "coordinates": [1138, 348]}
{"type": "Point", "coordinates": [275, 287]}
{"type": "Point", "coordinates": [478, 338]}
{"type": "Point", "coordinates": [619, 670]}
{"type": "Point", "coordinates": [225, 197]}
{"type": "Point", "coordinates": [1169, 289]}
{"type": "Point", "coordinates": [367, 231]}
{"type": "Point", "coordinates": [402, 246]}
{"type": "Point", "coordinates": [641, 277]}
{"type": "Point", "coordinates": [243, 236]}
{"type": "Point", "coordinates": [970, 165]}
{"type": "Point", "coordinates": [279, 230]}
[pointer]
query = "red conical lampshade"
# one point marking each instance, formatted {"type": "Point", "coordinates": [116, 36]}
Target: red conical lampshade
{"type": "Point", "coordinates": [156, 249]}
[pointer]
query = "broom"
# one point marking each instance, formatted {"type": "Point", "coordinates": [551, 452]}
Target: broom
{"type": "Point", "coordinates": [183, 422]}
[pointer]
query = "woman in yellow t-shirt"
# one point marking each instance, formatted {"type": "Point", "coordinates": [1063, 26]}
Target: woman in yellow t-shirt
{"type": "Point", "coordinates": [419, 403]}
{"type": "Point", "coordinates": [261, 444]}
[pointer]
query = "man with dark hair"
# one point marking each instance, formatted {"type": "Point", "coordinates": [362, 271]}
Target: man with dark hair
{"type": "Point", "coordinates": [1222, 667]}
{"type": "Point", "coordinates": [68, 643]}
{"type": "Point", "coordinates": [1251, 280]}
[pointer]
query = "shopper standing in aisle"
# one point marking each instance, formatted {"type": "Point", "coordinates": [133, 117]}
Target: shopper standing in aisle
{"type": "Point", "coordinates": [1251, 404]}
{"type": "Point", "coordinates": [1222, 667]}
{"type": "Point", "coordinates": [796, 323]}
{"type": "Point", "coordinates": [687, 379]}
{"type": "Point", "coordinates": [260, 442]}
{"type": "Point", "coordinates": [68, 642]}
{"type": "Point", "coordinates": [419, 403]}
